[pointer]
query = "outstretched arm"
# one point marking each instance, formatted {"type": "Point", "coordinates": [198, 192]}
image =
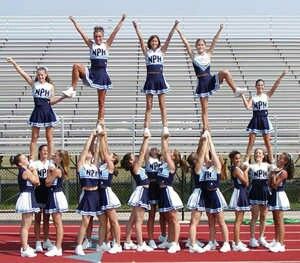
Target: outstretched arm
{"type": "Point", "coordinates": [201, 150]}
{"type": "Point", "coordinates": [112, 36]}
{"type": "Point", "coordinates": [84, 36]}
{"type": "Point", "coordinates": [25, 76]}
{"type": "Point", "coordinates": [167, 42]}
{"type": "Point", "coordinates": [166, 154]}
{"type": "Point", "coordinates": [276, 84]}
{"type": "Point", "coordinates": [106, 156]}
{"type": "Point", "coordinates": [186, 43]}
{"type": "Point", "coordinates": [214, 155]}
{"type": "Point", "coordinates": [140, 37]}
{"type": "Point", "coordinates": [142, 153]}
{"type": "Point", "coordinates": [86, 148]}
{"type": "Point", "coordinates": [215, 40]}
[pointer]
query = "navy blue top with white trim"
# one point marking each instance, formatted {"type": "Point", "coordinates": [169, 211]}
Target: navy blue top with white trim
{"type": "Point", "coordinates": [141, 177]}
{"type": "Point", "coordinates": [105, 176]}
{"type": "Point", "coordinates": [198, 178]}
{"type": "Point", "coordinates": [236, 181]}
{"type": "Point", "coordinates": [56, 185]}
{"type": "Point", "coordinates": [164, 175]}
{"type": "Point", "coordinates": [201, 64]}
{"type": "Point", "coordinates": [211, 178]}
{"type": "Point", "coordinates": [98, 55]}
{"type": "Point", "coordinates": [154, 61]}
{"type": "Point", "coordinates": [88, 175]}
{"type": "Point", "coordinates": [24, 185]}
{"type": "Point", "coordinates": [259, 174]}
{"type": "Point", "coordinates": [152, 167]}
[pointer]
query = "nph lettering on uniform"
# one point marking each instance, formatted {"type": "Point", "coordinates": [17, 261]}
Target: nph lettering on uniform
{"type": "Point", "coordinates": [99, 51]}
{"type": "Point", "coordinates": [42, 92]}
{"type": "Point", "coordinates": [154, 59]}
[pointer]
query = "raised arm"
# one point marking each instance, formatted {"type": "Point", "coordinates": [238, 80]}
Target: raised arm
{"type": "Point", "coordinates": [140, 37]}
{"type": "Point", "coordinates": [215, 40]}
{"type": "Point", "coordinates": [31, 175]}
{"type": "Point", "coordinates": [86, 149]}
{"type": "Point", "coordinates": [96, 150]}
{"type": "Point", "coordinates": [214, 155]}
{"type": "Point", "coordinates": [84, 36]}
{"type": "Point", "coordinates": [276, 84]}
{"type": "Point", "coordinates": [167, 42]}
{"type": "Point", "coordinates": [106, 155]}
{"type": "Point", "coordinates": [112, 36]}
{"type": "Point", "coordinates": [247, 102]}
{"type": "Point", "coordinates": [201, 150]}
{"type": "Point", "coordinates": [166, 154]}
{"type": "Point", "coordinates": [23, 74]}
{"type": "Point", "coordinates": [186, 43]}
{"type": "Point", "coordinates": [144, 147]}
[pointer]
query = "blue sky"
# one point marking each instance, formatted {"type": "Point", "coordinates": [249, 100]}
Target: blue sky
{"type": "Point", "coordinates": [151, 8]}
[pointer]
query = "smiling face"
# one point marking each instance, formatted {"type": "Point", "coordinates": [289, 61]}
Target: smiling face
{"type": "Point", "coordinates": [200, 46]}
{"type": "Point", "coordinates": [259, 155]}
{"type": "Point", "coordinates": [98, 37]}
{"type": "Point", "coordinates": [282, 160]}
{"type": "Point", "coordinates": [41, 75]}
{"type": "Point", "coordinates": [43, 152]}
{"type": "Point", "coordinates": [154, 152]}
{"type": "Point", "coordinates": [236, 161]}
{"type": "Point", "coordinates": [56, 158]}
{"type": "Point", "coordinates": [259, 85]}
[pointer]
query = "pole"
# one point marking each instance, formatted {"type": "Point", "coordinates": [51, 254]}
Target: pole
{"type": "Point", "coordinates": [62, 133]}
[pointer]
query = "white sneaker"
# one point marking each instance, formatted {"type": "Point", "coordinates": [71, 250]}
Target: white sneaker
{"type": "Point", "coordinates": [174, 247]}
{"type": "Point", "coordinates": [47, 244]}
{"type": "Point", "coordinates": [205, 134]}
{"type": "Point", "coordinates": [165, 132]}
{"type": "Point", "coordinates": [144, 247]}
{"type": "Point", "coordinates": [54, 252]}
{"type": "Point", "coordinates": [263, 242]}
{"type": "Point", "coordinates": [272, 243]}
{"type": "Point", "coordinates": [164, 244]}
{"type": "Point", "coordinates": [277, 248]}
{"type": "Point", "coordinates": [246, 164]}
{"type": "Point", "coordinates": [31, 164]}
{"type": "Point", "coordinates": [115, 249]}
{"type": "Point", "coordinates": [70, 92]}
{"type": "Point", "coordinates": [225, 248]}
{"type": "Point", "coordinates": [216, 243]}
{"type": "Point", "coordinates": [129, 245]}
{"type": "Point", "coordinates": [210, 246]}
{"type": "Point", "coordinates": [253, 243]}
{"type": "Point", "coordinates": [147, 133]}
{"type": "Point", "coordinates": [239, 91]}
{"type": "Point", "coordinates": [79, 250]}
{"type": "Point", "coordinates": [102, 247]}
{"type": "Point", "coordinates": [239, 247]}
{"type": "Point", "coordinates": [152, 244]}
{"type": "Point", "coordinates": [162, 238]}
{"type": "Point", "coordinates": [196, 248]}
{"type": "Point", "coordinates": [38, 246]}
{"type": "Point", "coordinates": [86, 243]}
{"type": "Point", "coordinates": [199, 243]}
{"type": "Point", "coordinates": [28, 252]}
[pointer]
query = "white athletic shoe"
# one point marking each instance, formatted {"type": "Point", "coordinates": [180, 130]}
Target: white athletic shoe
{"type": "Point", "coordinates": [272, 243]}
{"type": "Point", "coordinates": [147, 133]}
{"type": "Point", "coordinates": [28, 252]}
{"type": "Point", "coordinates": [144, 247]}
{"type": "Point", "coordinates": [102, 247]}
{"type": "Point", "coordinates": [86, 243]}
{"type": "Point", "coordinates": [239, 247]}
{"type": "Point", "coordinates": [115, 249]}
{"type": "Point", "coordinates": [196, 248]}
{"type": "Point", "coordinates": [253, 242]}
{"type": "Point", "coordinates": [225, 248]}
{"type": "Point", "coordinates": [152, 244]}
{"type": "Point", "coordinates": [38, 246]}
{"type": "Point", "coordinates": [262, 241]}
{"type": "Point", "coordinates": [70, 92]}
{"type": "Point", "coordinates": [199, 243]}
{"type": "Point", "coordinates": [277, 248]}
{"type": "Point", "coordinates": [211, 245]}
{"type": "Point", "coordinates": [47, 244]}
{"type": "Point", "coordinates": [54, 251]}
{"type": "Point", "coordinates": [129, 245]}
{"type": "Point", "coordinates": [162, 238]}
{"type": "Point", "coordinates": [164, 244]}
{"type": "Point", "coordinates": [79, 250]}
{"type": "Point", "coordinates": [239, 91]}
{"type": "Point", "coordinates": [174, 247]}
{"type": "Point", "coordinates": [165, 132]}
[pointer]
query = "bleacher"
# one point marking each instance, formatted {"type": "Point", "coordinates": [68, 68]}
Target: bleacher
{"type": "Point", "coordinates": [250, 47]}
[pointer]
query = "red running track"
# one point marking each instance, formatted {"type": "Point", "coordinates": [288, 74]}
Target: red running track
{"type": "Point", "coordinates": [10, 247]}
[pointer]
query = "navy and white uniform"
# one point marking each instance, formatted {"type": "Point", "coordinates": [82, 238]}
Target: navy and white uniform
{"type": "Point", "coordinates": [42, 114]}
{"type": "Point", "coordinates": [151, 169]}
{"type": "Point", "coordinates": [96, 75]}
{"type": "Point", "coordinates": [213, 198]}
{"type": "Point", "coordinates": [278, 199]}
{"type": "Point", "coordinates": [259, 190]}
{"type": "Point", "coordinates": [140, 196]}
{"type": "Point", "coordinates": [196, 199]}
{"type": "Point", "coordinates": [169, 200]}
{"type": "Point", "coordinates": [260, 122]}
{"type": "Point", "coordinates": [207, 83]}
{"type": "Point", "coordinates": [89, 199]}
{"type": "Point", "coordinates": [41, 191]}
{"type": "Point", "coordinates": [239, 200]}
{"type": "Point", "coordinates": [57, 202]}
{"type": "Point", "coordinates": [108, 199]}
{"type": "Point", "coordinates": [155, 81]}
{"type": "Point", "coordinates": [26, 202]}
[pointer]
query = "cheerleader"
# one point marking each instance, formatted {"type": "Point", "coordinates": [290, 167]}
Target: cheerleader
{"type": "Point", "coordinates": [239, 199]}
{"type": "Point", "coordinates": [207, 84]}
{"type": "Point", "coordinates": [108, 200]}
{"type": "Point", "coordinates": [41, 195]}
{"type": "Point", "coordinates": [278, 201]}
{"type": "Point", "coordinates": [57, 202]}
{"type": "Point", "coordinates": [258, 197]}
{"type": "Point", "coordinates": [139, 199]}
{"type": "Point", "coordinates": [26, 203]}
{"type": "Point", "coordinates": [260, 123]}
{"type": "Point", "coordinates": [155, 82]}
{"type": "Point", "coordinates": [213, 199]}
{"type": "Point", "coordinates": [89, 180]}
{"type": "Point", "coordinates": [42, 114]}
{"type": "Point", "coordinates": [96, 76]}
{"type": "Point", "coordinates": [169, 200]}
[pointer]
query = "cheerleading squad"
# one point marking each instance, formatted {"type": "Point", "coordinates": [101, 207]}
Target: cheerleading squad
{"type": "Point", "coordinates": [258, 186]}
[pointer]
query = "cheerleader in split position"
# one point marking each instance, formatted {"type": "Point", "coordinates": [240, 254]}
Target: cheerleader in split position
{"type": "Point", "coordinates": [155, 82]}
{"type": "Point", "coordinates": [169, 200]}
{"type": "Point", "coordinates": [260, 123]}
{"type": "Point", "coordinates": [207, 84]}
{"type": "Point", "coordinates": [139, 199]}
{"type": "Point", "coordinates": [42, 115]}
{"type": "Point", "coordinates": [258, 197]}
{"type": "Point", "coordinates": [26, 203]}
{"type": "Point", "coordinates": [96, 76]}
{"type": "Point", "coordinates": [278, 201]}
{"type": "Point", "coordinates": [57, 202]}
{"type": "Point", "coordinates": [239, 199]}
{"type": "Point", "coordinates": [42, 194]}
